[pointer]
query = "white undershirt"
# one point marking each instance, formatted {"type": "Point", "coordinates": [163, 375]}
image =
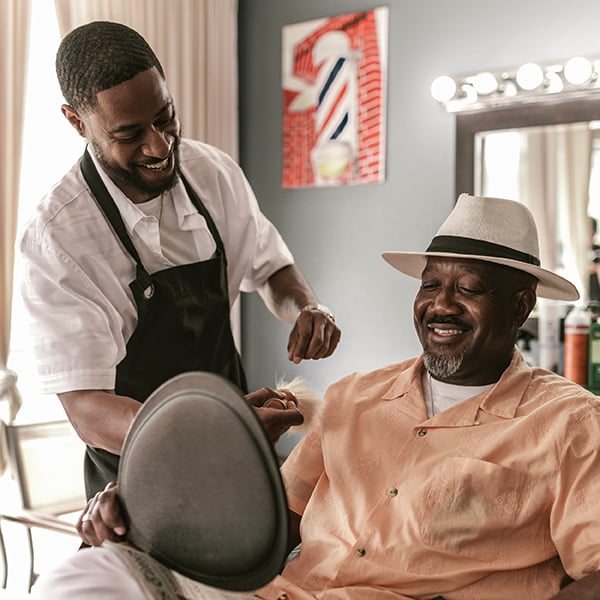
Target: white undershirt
{"type": "Point", "coordinates": [440, 396]}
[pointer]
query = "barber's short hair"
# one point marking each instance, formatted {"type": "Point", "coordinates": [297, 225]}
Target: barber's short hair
{"type": "Point", "coordinates": [98, 56]}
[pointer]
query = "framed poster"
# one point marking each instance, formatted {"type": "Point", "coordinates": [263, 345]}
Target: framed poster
{"type": "Point", "coordinates": [334, 78]}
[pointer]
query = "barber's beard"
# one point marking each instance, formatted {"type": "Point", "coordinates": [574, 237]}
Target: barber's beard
{"type": "Point", "coordinates": [441, 367]}
{"type": "Point", "coordinates": [130, 180]}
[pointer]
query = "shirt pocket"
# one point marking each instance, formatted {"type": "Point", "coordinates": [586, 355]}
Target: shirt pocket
{"type": "Point", "coordinates": [469, 508]}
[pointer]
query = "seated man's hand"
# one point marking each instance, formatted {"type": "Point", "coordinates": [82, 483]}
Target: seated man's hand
{"type": "Point", "coordinates": [101, 520]}
{"type": "Point", "coordinates": [277, 410]}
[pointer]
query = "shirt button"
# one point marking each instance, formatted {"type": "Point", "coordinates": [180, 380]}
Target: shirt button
{"type": "Point", "coordinates": [422, 432]}
{"type": "Point", "coordinates": [393, 492]}
{"type": "Point", "coordinates": [361, 551]}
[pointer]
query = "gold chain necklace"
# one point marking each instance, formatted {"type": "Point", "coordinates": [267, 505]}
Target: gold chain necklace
{"type": "Point", "coordinates": [162, 200]}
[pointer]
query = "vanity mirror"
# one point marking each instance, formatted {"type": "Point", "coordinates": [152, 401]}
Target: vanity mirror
{"type": "Point", "coordinates": [469, 124]}
{"type": "Point", "coordinates": [556, 150]}
{"type": "Point", "coordinates": [557, 147]}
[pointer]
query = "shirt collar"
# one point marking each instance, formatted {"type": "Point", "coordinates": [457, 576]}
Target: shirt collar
{"type": "Point", "coordinates": [502, 400]}
{"type": "Point", "coordinates": [188, 217]}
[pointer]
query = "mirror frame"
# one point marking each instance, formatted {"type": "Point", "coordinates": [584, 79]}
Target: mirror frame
{"type": "Point", "coordinates": [468, 124]}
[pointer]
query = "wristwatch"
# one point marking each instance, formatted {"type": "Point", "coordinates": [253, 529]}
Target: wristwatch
{"type": "Point", "coordinates": [321, 308]}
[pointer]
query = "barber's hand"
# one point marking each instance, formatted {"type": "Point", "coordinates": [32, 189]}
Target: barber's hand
{"type": "Point", "coordinates": [277, 410]}
{"type": "Point", "coordinates": [102, 520]}
{"type": "Point", "coordinates": [314, 335]}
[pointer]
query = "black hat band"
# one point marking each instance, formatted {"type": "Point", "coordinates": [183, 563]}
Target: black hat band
{"type": "Point", "coordinates": [462, 245]}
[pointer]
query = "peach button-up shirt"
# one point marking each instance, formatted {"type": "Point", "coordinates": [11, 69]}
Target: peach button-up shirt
{"type": "Point", "coordinates": [493, 499]}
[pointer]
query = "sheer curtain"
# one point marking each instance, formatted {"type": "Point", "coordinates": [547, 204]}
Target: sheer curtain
{"type": "Point", "coordinates": [538, 189]}
{"type": "Point", "coordinates": [549, 170]}
{"type": "Point", "coordinates": [578, 147]}
{"type": "Point", "coordinates": [555, 174]}
{"type": "Point", "coordinates": [196, 42]}
{"type": "Point", "coordinates": [14, 35]}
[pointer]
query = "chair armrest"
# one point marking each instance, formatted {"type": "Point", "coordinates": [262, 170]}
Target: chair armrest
{"type": "Point", "coordinates": [34, 519]}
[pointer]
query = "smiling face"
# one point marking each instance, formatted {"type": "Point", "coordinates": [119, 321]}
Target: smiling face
{"type": "Point", "coordinates": [134, 132]}
{"type": "Point", "coordinates": [467, 314]}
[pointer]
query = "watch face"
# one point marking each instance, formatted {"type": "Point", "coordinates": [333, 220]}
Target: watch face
{"type": "Point", "coordinates": [326, 310]}
{"type": "Point", "coordinates": [321, 308]}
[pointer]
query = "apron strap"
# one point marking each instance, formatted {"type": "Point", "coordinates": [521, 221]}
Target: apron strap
{"type": "Point", "coordinates": [204, 212]}
{"type": "Point", "coordinates": [112, 214]}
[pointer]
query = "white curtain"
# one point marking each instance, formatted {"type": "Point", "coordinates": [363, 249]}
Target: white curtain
{"type": "Point", "coordinates": [555, 173]}
{"type": "Point", "coordinates": [554, 180]}
{"type": "Point", "coordinates": [196, 43]}
{"type": "Point", "coordinates": [577, 146]}
{"type": "Point", "coordinates": [538, 188]}
{"type": "Point", "coordinates": [14, 36]}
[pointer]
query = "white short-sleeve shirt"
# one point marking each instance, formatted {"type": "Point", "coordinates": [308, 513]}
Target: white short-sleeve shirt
{"type": "Point", "coordinates": [77, 273]}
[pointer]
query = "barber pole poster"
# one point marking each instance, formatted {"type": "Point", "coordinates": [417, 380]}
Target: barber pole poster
{"type": "Point", "coordinates": [334, 77]}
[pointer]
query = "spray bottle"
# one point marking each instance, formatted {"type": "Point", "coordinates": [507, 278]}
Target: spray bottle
{"type": "Point", "coordinates": [577, 342]}
{"type": "Point", "coordinates": [594, 357]}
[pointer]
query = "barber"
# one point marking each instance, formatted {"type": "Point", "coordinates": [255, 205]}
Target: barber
{"type": "Point", "coordinates": [133, 261]}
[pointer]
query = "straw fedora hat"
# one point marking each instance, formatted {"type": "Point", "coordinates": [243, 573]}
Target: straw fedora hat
{"type": "Point", "coordinates": [493, 230]}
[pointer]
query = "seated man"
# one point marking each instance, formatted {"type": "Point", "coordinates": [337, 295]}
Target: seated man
{"type": "Point", "coordinates": [461, 474]}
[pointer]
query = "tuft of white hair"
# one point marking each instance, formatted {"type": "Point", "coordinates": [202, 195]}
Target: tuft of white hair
{"type": "Point", "coordinates": [309, 400]}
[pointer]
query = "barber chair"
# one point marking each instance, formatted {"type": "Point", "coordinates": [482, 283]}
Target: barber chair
{"type": "Point", "coordinates": [46, 461]}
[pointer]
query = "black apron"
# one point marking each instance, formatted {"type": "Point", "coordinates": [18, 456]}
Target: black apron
{"type": "Point", "coordinates": [183, 323]}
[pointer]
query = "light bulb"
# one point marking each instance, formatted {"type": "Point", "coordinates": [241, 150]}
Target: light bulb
{"type": "Point", "coordinates": [578, 70]}
{"type": "Point", "coordinates": [510, 88]}
{"type": "Point", "coordinates": [554, 83]}
{"type": "Point", "coordinates": [484, 83]}
{"type": "Point", "coordinates": [443, 88]}
{"type": "Point", "coordinates": [530, 76]}
{"type": "Point", "coordinates": [469, 95]}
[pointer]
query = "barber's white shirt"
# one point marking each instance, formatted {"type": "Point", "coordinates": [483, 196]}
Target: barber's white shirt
{"type": "Point", "coordinates": [77, 274]}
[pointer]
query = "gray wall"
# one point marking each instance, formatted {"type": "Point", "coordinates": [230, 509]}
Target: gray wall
{"type": "Point", "coordinates": [337, 234]}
